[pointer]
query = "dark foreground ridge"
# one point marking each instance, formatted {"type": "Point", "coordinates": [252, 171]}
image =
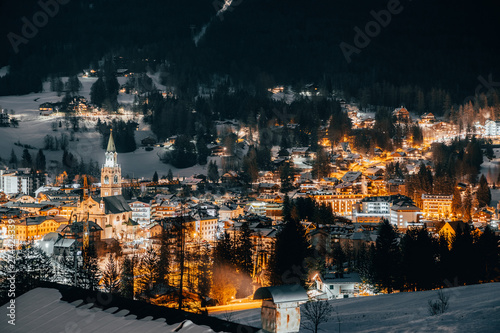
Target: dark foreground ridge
{"type": "Point", "coordinates": [142, 310]}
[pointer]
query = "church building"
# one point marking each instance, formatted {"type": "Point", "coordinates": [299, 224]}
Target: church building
{"type": "Point", "coordinates": [110, 211]}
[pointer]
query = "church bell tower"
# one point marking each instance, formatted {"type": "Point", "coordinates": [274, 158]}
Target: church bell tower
{"type": "Point", "coordinates": [111, 173]}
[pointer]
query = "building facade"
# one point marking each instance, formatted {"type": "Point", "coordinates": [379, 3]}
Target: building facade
{"type": "Point", "coordinates": [141, 212]}
{"type": "Point", "coordinates": [492, 128]}
{"type": "Point", "coordinates": [404, 214]}
{"type": "Point", "coordinates": [342, 204]}
{"type": "Point", "coordinates": [436, 206]}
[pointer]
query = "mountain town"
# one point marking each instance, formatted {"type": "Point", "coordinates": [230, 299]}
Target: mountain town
{"type": "Point", "coordinates": [250, 165]}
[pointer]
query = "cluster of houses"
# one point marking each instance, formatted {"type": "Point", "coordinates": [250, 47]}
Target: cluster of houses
{"type": "Point", "coordinates": [77, 104]}
{"type": "Point", "coordinates": [364, 197]}
{"type": "Point", "coordinates": [358, 189]}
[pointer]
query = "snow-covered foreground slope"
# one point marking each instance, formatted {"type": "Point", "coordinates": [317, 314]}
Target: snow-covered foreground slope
{"type": "Point", "coordinates": [42, 310]}
{"type": "Point", "coordinates": [471, 309]}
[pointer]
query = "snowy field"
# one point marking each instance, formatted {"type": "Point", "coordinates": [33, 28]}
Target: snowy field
{"type": "Point", "coordinates": [33, 128]}
{"type": "Point", "coordinates": [471, 309]}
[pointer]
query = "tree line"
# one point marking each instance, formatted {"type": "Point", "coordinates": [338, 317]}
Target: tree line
{"type": "Point", "coordinates": [123, 134]}
{"type": "Point", "coordinates": [421, 261]}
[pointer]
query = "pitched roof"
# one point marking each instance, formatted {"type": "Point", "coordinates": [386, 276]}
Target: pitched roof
{"type": "Point", "coordinates": [346, 278]}
{"type": "Point", "coordinates": [282, 294]}
{"type": "Point", "coordinates": [51, 236]}
{"type": "Point", "coordinates": [457, 226]}
{"type": "Point", "coordinates": [351, 176]}
{"type": "Point", "coordinates": [77, 227]}
{"type": "Point", "coordinates": [131, 222]}
{"type": "Point", "coordinates": [65, 242]}
{"type": "Point", "coordinates": [115, 205]}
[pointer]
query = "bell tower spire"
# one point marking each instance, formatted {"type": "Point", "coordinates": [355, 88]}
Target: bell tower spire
{"type": "Point", "coordinates": [111, 155]}
{"type": "Point", "coordinates": [111, 142]}
{"type": "Point", "coordinates": [111, 174]}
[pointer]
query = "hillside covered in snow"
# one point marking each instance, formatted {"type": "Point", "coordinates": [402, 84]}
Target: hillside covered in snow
{"type": "Point", "coordinates": [474, 308]}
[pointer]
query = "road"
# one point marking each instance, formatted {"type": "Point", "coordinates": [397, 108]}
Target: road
{"type": "Point", "coordinates": [234, 307]}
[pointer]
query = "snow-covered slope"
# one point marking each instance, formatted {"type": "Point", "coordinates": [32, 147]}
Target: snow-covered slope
{"type": "Point", "coordinates": [33, 128]}
{"type": "Point", "coordinates": [41, 310]}
{"type": "Point", "coordinates": [471, 309]}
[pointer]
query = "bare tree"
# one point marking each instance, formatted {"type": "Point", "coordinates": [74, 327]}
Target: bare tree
{"type": "Point", "coordinates": [316, 313]}
{"type": "Point", "coordinates": [440, 305]}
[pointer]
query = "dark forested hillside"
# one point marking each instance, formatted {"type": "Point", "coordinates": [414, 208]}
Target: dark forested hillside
{"type": "Point", "coordinates": [429, 48]}
{"type": "Point", "coordinates": [432, 44]}
{"type": "Point", "coordinates": [83, 31]}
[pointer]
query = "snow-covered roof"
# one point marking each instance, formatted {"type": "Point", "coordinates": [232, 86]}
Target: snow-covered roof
{"type": "Point", "coordinates": [282, 294]}
{"type": "Point", "coordinates": [331, 278]}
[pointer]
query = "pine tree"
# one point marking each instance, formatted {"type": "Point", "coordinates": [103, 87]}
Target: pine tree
{"type": "Point", "coordinates": [286, 176]}
{"type": "Point", "coordinates": [339, 258]}
{"type": "Point", "coordinates": [364, 263]}
{"type": "Point", "coordinates": [184, 153]}
{"type": "Point", "coordinates": [155, 177]}
{"type": "Point", "coordinates": [40, 163]}
{"type": "Point", "coordinates": [387, 258]}
{"type": "Point", "coordinates": [419, 251]}
{"type": "Point", "coordinates": [287, 208]}
{"type": "Point", "coordinates": [164, 259]}
{"type": "Point", "coordinates": [321, 166]}
{"type": "Point", "coordinates": [112, 88]}
{"type": "Point", "coordinates": [263, 158]}
{"type": "Point", "coordinates": [202, 150]}
{"type": "Point", "coordinates": [32, 267]}
{"type": "Point", "coordinates": [250, 171]}
{"type": "Point", "coordinates": [111, 276]}
{"type": "Point", "coordinates": [244, 249]}
{"type": "Point", "coordinates": [13, 159]}
{"type": "Point", "coordinates": [488, 254]}
{"type": "Point", "coordinates": [464, 257]}
{"type": "Point", "coordinates": [483, 193]}
{"type": "Point", "coordinates": [467, 205]}
{"type": "Point", "coordinates": [88, 273]}
{"type": "Point", "coordinates": [170, 175]}
{"type": "Point", "coordinates": [456, 203]}
{"type": "Point", "coordinates": [291, 250]}
{"type": "Point", "coordinates": [27, 160]}
{"type": "Point", "coordinates": [204, 272]}
{"type": "Point", "coordinates": [98, 92]}
{"type": "Point", "coordinates": [59, 86]}
{"type": "Point", "coordinates": [127, 278]}
{"type": "Point", "coordinates": [224, 252]}
{"type": "Point", "coordinates": [73, 85]}
{"type": "Point", "coordinates": [213, 172]}
{"type": "Point", "coordinates": [148, 272]}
